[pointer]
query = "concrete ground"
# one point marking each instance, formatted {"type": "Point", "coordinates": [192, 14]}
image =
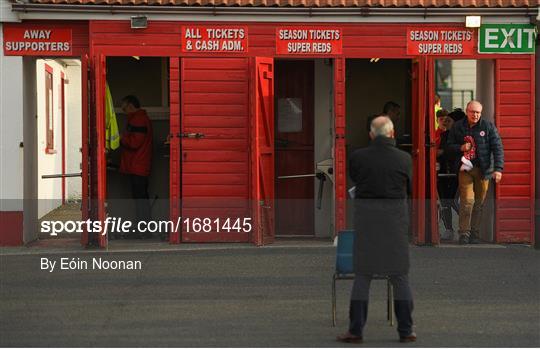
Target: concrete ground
{"type": "Point", "coordinates": [277, 296]}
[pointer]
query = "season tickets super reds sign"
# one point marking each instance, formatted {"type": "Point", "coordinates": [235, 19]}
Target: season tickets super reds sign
{"type": "Point", "coordinates": [20, 41]}
{"type": "Point", "coordinates": [308, 40]}
{"type": "Point", "coordinates": [440, 41]}
{"type": "Point", "coordinates": [215, 39]}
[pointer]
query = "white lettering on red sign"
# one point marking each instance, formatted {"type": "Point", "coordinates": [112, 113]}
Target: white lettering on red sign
{"type": "Point", "coordinates": [440, 42]}
{"type": "Point", "coordinates": [214, 39]}
{"type": "Point", "coordinates": [27, 42]}
{"type": "Point", "coordinates": [301, 40]}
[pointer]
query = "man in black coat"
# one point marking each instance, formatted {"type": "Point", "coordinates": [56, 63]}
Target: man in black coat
{"type": "Point", "coordinates": [477, 142]}
{"type": "Point", "coordinates": [382, 174]}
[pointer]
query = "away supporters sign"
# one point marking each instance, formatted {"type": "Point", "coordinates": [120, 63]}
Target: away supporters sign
{"type": "Point", "coordinates": [20, 41]}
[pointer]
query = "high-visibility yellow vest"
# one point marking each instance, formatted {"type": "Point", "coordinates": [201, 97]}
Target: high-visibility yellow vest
{"type": "Point", "coordinates": [112, 136]}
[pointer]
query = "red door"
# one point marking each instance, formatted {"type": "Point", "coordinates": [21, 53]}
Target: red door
{"type": "Point", "coordinates": [262, 150]}
{"type": "Point", "coordinates": [294, 93]}
{"type": "Point", "coordinates": [431, 156]}
{"type": "Point", "coordinates": [215, 154]}
{"type": "Point", "coordinates": [174, 146]}
{"type": "Point", "coordinates": [93, 147]}
{"type": "Point", "coordinates": [419, 150]}
{"type": "Point", "coordinates": [99, 187]}
{"type": "Point", "coordinates": [340, 157]}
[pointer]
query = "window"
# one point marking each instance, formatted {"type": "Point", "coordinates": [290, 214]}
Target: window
{"type": "Point", "coordinates": [49, 114]}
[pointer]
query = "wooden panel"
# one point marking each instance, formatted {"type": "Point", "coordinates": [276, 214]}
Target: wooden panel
{"type": "Point", "coordinates": [521, 143]}
{"type": "Point", "coordinates": [517, 155]}
{"type": "Point", "coordinates": [515, 109]}
{"type": "Point", "coordinates": [517, 167]}
{"type": "Point", "coordinates": [215, 167]}
{"type": "Point", "coordinates": [514, 82]}
{"type": "Point", "coordinates": [516, 74]}
{"type": "Point", "coordinates": [515, 190]}
{"type": "Point", "coordinates": [515, 98]}
{"type": "Point", "coordinates": [514, 121]}
{"type": "Point", "coordinates": [514, 132]}
{"type": "Point", "coordinates": [514, 86]}
{"type": "Point", "coordinates": [340, 152]}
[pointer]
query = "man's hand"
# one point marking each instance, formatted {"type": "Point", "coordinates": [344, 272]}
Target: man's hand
{"type": "Point", "coordinates": [466, 147]}
{"type": "Point", "coordinates": [497, 176]}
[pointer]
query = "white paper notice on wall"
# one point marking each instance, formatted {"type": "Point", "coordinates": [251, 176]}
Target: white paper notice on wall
{"type": "Point", "coordinates": [289, 114]}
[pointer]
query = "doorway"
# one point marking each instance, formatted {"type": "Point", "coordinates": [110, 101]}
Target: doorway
{"type": "Point", "coordinates": [146, 78]}
{"type": "Point", "coordinates": [304, 128]}
{"type": "Point", "coordinates": [372, 84]}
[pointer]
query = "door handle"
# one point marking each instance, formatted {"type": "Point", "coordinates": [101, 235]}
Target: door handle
{"type": "Point", "coordinates": [60, 175]}
{"type": "Point", "coordinates": [191, 135]}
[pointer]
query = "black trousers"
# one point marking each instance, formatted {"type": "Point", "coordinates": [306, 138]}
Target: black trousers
{"type": "Point", "coordinates": [447, 189]}
{"type": "Point", "coordinates": [403, 303]}
{"type": "Point", "coordinates": [139, 191]}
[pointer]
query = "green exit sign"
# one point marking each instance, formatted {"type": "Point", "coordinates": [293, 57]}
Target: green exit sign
{"type": "Point", "coordinates": [507, 38]}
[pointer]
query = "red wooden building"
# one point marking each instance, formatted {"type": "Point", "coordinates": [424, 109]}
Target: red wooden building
{"type": "Point", "coordinates": [232, 67]}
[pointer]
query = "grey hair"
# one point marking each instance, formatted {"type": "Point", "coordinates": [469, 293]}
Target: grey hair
{"type": "Point", "coordinates": [382, 126]}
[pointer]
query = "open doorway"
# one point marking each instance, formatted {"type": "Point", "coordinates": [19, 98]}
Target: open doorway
{"type": "Point", "coordinates": [457, 82]}
{"type": "Point", "coordinates": [372, 84]}
{"type": "Point", "coordinates": [52, 142]}
{"type": "Point", "coordinates": [147, 79]}
{"type": "Point", "coordinates": [304, 140]}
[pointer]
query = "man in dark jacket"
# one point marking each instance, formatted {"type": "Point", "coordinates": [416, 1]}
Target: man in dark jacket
{"type": "Point", "coordinates": [136, 155]}
{"type": "Point", "coordinates": [477, 141]}
{"type": "Point", "coordinates": [382, 174]}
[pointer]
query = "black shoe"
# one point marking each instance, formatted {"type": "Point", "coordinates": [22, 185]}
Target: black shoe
{"type": "Point", "coordinates": [464, 239]}
{"type": "Point", "coordinates": [409, 338]}
{"type": "Point", "coordinates": [474, 239]}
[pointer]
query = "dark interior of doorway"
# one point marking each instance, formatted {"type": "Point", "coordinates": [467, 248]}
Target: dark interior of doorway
{"type": "Point", "coordinates": [370, 84]}
{"type": "Point", "coordinates": [147, 79]}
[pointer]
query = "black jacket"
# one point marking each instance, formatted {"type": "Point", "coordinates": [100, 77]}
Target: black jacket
{"type": "Point", "coordinates": [488, 143]}
{"type": "Point", "coordinates": [448, 160]}
{"type": "Point", "coordinates": [382, 174]}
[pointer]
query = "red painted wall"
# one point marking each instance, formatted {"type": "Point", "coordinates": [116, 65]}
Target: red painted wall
{"type": "Point", "coordinates": [11, 228]}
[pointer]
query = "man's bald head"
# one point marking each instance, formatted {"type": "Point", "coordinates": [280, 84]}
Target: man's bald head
{"type": "Point", "coordinates": [382, 125]}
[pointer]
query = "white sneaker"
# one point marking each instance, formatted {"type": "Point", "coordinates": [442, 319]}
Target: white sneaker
{"type": "Point", "coordinates": [448, 235]}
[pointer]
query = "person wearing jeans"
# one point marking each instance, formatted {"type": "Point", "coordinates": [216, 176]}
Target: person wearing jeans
{"type": "Point", "coordinates": [477, 141]}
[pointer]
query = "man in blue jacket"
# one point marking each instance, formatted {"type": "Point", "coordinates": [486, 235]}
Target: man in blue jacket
{"type": "Point", "coordinates": [478, 143]}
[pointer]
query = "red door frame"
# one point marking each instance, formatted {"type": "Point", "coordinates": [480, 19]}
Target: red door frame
{"type": "Point", "coordinates": [262, 150]}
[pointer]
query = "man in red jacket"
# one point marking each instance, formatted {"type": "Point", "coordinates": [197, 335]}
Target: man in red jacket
{"type": "Point", "coordinates": [136, 155]}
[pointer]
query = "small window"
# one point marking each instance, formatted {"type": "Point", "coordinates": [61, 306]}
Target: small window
{"type": "Point", "coordinates": [49, 114]}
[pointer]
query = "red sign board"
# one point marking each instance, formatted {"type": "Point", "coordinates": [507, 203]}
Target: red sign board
{"type": "Point", "coordinates": [440, 41]}
{"type": "Point", "coordinates": [37, 41]}
{"type": "Point", "coordinates": [308, 40]}
{"type": "Point", "coordinates": [204, 39]}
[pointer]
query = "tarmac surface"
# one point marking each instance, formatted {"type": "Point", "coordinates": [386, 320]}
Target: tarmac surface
{"type": "Point", "coordinates": [243, 296]}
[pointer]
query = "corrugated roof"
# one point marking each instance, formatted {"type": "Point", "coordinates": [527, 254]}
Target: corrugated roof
{"type": "Point", "coordinates": [306, 3]}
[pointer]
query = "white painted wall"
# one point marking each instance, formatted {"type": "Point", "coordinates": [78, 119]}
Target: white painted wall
{"type": "Point", "coordinates": [11, 128]}
{"type": "Point", "coordinates": [463, 78]}
{"type": "Point", "coordinates": [73, 131]}
{"type": "Point", "coordinates": [49, 190]}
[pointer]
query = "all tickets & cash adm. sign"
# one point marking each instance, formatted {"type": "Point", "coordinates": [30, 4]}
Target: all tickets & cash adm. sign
{"type": "Point", "coordinates": [308, 40]}
{"type": "Point", "coordinates": [440, 41]}
{"type": "Point", "coordinates": [217, 39]}
{"type": "Point", "coordinates": [19, 41]}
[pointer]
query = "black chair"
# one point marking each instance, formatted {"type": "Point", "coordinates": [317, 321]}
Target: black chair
{"type": "Point", "coordinates": [345, 271]}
